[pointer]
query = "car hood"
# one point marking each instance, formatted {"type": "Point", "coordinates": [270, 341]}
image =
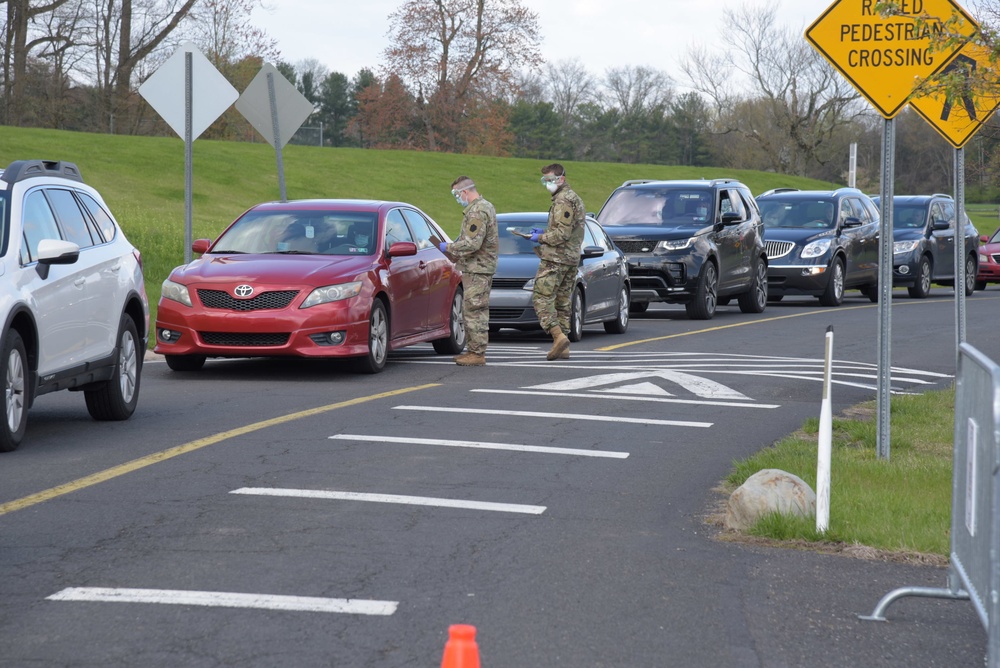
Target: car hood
{"type": "Point", "coordinates": [642, 232]}
{"type": "Point", "coordinates": [904, 234]}
{"type": "Point", "coordinates": [516, 266]}
{"type": "Point", "coordinates": [799, 235]}
{"type": "Point", "coordinates": [307, 269]}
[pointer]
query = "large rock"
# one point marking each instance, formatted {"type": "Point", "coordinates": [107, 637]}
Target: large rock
{"type": "Point", "coordinates": [768, 491]}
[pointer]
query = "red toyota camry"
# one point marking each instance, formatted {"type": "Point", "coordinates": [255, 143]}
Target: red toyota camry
{"type": "Point", "coordinates": [314, 278]}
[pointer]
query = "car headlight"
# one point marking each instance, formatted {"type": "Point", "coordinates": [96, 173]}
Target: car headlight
{"type": "Point", "coordinates": [675, 244]}
{"type": "Point", "coordinates": [815, 249]}
{"type": "Point", "coordinates": [530, 285]}
{"type": "Point", "coordinates": [905, 246]}
{"type": "Point", "coordinates": [175, 292]}
{"type": "Point", "coordinates": [332, 293]}
{"type": "Point", "coordinates": [983, 258]}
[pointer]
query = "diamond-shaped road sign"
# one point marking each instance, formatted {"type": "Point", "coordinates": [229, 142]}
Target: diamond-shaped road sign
{"type": "Point", "coordinates": [211, 93]}
{"type": "Point", "coordinates": [959, 119]}
{"type": "Point", "coordinates": [884, 56]}
{"type": "Point", "coordinates": [293, 108]}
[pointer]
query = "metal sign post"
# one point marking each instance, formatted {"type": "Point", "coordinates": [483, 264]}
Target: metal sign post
{"type": "Point", "coordinates": [278, 144]}
{"type": "Point", "coordinates": [960, 276]}
{"type": "Point", "coordinates": [188, 157]}
{"type": "Point", "coordinates": [884, 334]}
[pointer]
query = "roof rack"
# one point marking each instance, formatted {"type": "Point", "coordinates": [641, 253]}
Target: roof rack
{"type": "Point", "coordinates": [633, 182]}
{"type": "Point", "coordinates": [942, 195]}
{"type": "Point", "coordinates": [20, 170]}
{"type": "Point", "coordinates": [773, 191]}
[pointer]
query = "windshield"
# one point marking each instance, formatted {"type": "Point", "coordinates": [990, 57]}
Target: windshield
{"type": "Point", "coordinates": [668, 207]}
{"type": "Point", "coordinates": [309, 232]}
{"type": "Point", "coordinates": [817, 214]}
{"type": "Point", "coordinates": [908, 217]}
{"type": "Point", "coordinates": [511, 243]}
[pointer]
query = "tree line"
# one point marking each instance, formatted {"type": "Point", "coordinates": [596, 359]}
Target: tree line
{"type": "Point", "coordinates": [466, 76]}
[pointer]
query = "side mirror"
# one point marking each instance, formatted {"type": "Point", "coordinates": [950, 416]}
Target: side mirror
{"type": "Point", "coordinates": [55, 251]}
{"type": "Point", "coordinates": [592, 251]}
{"type": "Point", "coordinates": [402, 249]}
{"type": "Point", "coordinates": [851, 221]}
{"type": "Point", "coordinates": [984, 238]}
{"type": "Point", "coordinates": [201, 246]}
{"type": "Point", "coordinates": [731, 218]}
{"type": "Point", "coordinates": [940, 224]}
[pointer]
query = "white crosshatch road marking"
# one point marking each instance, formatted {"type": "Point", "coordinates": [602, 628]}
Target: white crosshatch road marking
{"type": "Point", "coordinates": [701, 387]}
{"type": "Point", "coordinates": [557, 416]}
{"type": "Point", "coordinates": [222, 599]}
{"type": "Point", "coordinates": [391, 498]}
{"type": "Point", "coordinates": [482, 444]}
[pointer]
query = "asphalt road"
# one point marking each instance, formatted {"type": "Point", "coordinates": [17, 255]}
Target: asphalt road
{"type": "Point", "coordinates": [291, 513]}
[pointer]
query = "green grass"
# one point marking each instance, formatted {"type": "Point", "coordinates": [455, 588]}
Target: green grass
{"type": "Point", "coordinates": [142, 180]}
{"type": "Point", "coordinates": [903, 504]}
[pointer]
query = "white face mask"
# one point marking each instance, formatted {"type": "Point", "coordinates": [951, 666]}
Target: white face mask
{"type": "Point", "coordinates": [552, 187]}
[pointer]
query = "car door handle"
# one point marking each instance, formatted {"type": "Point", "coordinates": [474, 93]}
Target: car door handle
{"type": "Point", "coordinates": [79, 282]}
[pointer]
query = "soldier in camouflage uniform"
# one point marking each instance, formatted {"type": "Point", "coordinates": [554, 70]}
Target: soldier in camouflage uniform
{"type": "Point", "coordinates": [475, 252]}
{"type": "Point", "coordinates": [559, 249]}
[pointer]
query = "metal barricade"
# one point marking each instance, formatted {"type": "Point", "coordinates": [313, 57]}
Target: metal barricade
{"type": "Point", "coordinates": [974, 564]}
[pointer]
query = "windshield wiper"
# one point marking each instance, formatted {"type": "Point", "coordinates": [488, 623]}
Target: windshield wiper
{"type": "Point", "coordinates": [230, 252]}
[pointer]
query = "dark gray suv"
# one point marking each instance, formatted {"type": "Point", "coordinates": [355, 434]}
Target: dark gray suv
{"type": "Point", "coordinates": [697, 243]}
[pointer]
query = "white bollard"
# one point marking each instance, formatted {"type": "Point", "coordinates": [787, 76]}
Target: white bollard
{"type": "Point", "coordinates": [825, 442]}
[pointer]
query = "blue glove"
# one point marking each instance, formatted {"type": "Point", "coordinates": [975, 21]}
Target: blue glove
{"type": "Point", "coordinates": [536, 230]}
{"type": "Point", "coordinates": [443, 246]}
{"type": "Point", "coordinates": [535, 235]}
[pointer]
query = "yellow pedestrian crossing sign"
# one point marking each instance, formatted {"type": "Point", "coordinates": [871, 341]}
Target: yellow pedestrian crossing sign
{"type": "Point", "coordinates": [958, 119]}
{"type": "Point", "coordinates": [885, 56]}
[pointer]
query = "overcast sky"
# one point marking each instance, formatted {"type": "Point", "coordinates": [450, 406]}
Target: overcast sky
{"type": "Point", "coordinates": [346, 37]}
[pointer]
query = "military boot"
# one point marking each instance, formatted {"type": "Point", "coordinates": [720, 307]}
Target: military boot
{"type": "Point", "coordinates": [471, 359]}
{"type": "Point", "coordinates": [560, 343]}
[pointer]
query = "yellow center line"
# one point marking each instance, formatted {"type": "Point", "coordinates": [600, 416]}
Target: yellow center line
{"type": "Point", "coordinates": [755, 322]}
{"type": "Point", "coordinates": [149, 460]}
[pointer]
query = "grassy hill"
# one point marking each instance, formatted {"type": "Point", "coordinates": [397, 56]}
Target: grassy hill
{"type": "Point", "coordinates": [142, 179]}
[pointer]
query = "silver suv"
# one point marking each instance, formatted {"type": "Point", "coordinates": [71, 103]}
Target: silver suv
{"type": "Point", "coordinates": [73, 307]}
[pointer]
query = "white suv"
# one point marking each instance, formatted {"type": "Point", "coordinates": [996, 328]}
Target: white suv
{"type": "Point", "coordinates": [73, 308]}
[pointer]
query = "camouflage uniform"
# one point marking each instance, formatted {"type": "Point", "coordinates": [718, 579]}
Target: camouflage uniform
{"type": "Point", "coordinates": [559, 249]}
{"type": "Point", "coordinates": [475, 252]}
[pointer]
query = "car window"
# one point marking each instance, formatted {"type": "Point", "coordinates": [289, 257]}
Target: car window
{"type": "Point", "coordinates": [512, 244]}
{"type": "Point", "coordinates": [600, 236]}
{"type": "Point", "coordinates": [588, 238]}
{"type": "Point", "coordinates": [38, 223]}
{"type": "Point", "coordinates": [730, 202]}
{"type": "Point", "coordinates": [396, 229]}
{"type": "Point", "coordinates": [100, 216]}
{"type": "Point", "coordinates": [948, 209]}
{"type": "Point", "coordinates": [425, 236]}
{"type": "Point", "coordinates": [75, 226]}
{"type": "Point", "coordinates": [647, 206]}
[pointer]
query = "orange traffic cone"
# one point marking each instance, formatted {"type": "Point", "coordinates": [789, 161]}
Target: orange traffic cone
{"type": "Point", "coordinates": [461, 650]}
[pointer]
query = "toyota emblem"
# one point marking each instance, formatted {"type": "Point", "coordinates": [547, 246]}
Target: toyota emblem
{"type": "Point", "coordinates": [243, 291]}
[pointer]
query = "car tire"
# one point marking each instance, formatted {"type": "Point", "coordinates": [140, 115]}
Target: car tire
{"type": "Point", "coordinates": [702, 305]}
{"type": "Point", "coordinates": [575, 332]}
{"type": "Point", "coordinates": [871, 291]}
{"type": "Point", "coordinates": [117, 397]}
{"type": "Point", "coordinates": [455, 341]}
{"type": "Point", "coordinates": [834, 293]}
{"type": "Point", "coordinates": [184, 362]}
{"type": "Point", "coordinates": [980, 285]}
{"type": "Point", "coordinates": [922, 288]}
{"type": "Point", "coordinates": [620, 324]}
{"type": "Point", "coordinates": [775, 298]}
{"type": "Point", "coordinates": [971, 268]}
{"type": "Point", "coordinates": [754, 300]}
{"type": "Point", "coordinates": [638, 307]}
{"type": "Point", "coordinates": [378, 340]}
{"type": "Point", "coordinates": [14, 371]}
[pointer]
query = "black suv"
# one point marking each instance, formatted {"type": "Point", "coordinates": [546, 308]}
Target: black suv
{"type": "Point", "coordinates": [923, 244]}
{"type": "Point", "coordinates": [820, 243]}
{"type": "Point", "coordinates": [697, 243]}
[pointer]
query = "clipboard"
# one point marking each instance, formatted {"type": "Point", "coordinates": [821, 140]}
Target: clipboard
{"type": "Point", "coordinates": [523, 235]}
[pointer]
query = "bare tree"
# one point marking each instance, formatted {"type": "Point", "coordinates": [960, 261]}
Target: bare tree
{"type": "Point", "coordinates": [793, 103]}
{"type": "Point", "coordinates": [459, 55]}
{"type": "Point", "coordinates": [19, 42]}
{"type": "Point", "coordinates": [569, 85]}
{"type": "Point", "coordinates": [638, 89]}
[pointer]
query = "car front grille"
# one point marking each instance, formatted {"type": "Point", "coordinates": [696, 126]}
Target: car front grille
{"type": "Point", "coordinates": [220, 299]}
{"type": "Point", "coordinates": [506, 313]}
{"type": "Point", "coordinates": [509, 283]}
{"type": "Point", "coordinates": [996, 257]}
{"type": "Point", "coordinates": [636, 246]}
{"type": "Point", "coordinates": [244, 339]}
{"type": "Point", "coordinates": [775, 249]}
